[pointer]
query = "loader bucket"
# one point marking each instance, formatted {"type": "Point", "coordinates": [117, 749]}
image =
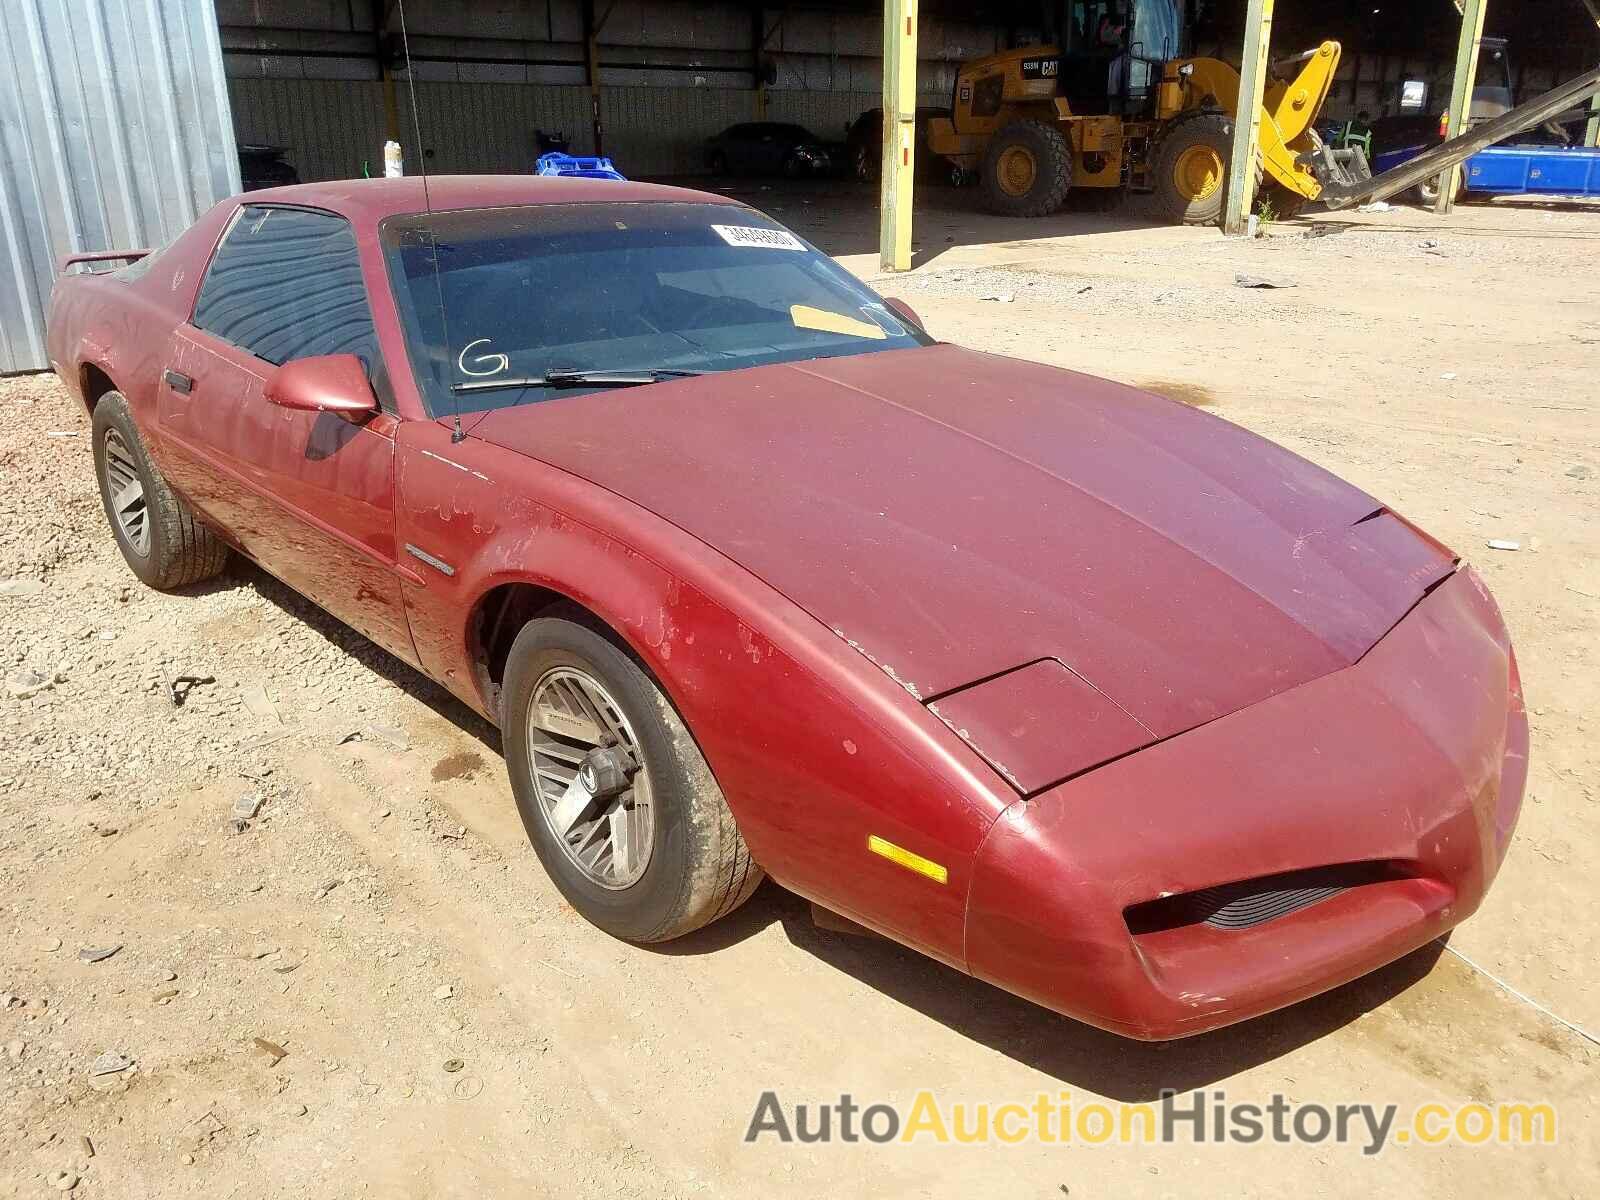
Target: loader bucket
{"type": "Point", "coordinates": [1289, 111]}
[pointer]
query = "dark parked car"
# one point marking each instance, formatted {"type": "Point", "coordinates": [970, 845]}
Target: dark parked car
{"type": "Point", "coordinates": [772, 148]}
{"type": "Point", "coordinates": [864, 145]}
{"type": "Point", "coordinates": [264, 166]}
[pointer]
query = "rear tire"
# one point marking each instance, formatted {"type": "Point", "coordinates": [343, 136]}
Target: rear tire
{"type": "Point", "coordinates": [1285, 204]}
{"type": "Point", "coordinates": [867, 164]}
{"type": "Point", "coordinates": [160, 539]}
{"type": "Point", "coordinates": [1027, 170]}
{"type": "Point", "coordinates": [1191, 169]}
{"type": "Point", "coordinates": [689, 864]}
{"type": "Point", "coordinates": [1427, 192]}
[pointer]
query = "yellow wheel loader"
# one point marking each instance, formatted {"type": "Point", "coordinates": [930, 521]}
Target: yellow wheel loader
{"type": "Point", "coordinates": [1113, 106]}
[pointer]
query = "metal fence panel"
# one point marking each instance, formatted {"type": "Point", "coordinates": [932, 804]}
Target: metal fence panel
{"type": "Point", "coordinates": [115, 132]}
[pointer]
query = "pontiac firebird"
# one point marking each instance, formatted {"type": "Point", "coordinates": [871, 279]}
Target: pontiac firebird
{"type": "Point", "coordinates": [1091, 695]}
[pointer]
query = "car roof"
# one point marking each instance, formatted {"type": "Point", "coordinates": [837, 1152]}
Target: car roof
{"type": "Point", "coordinates": [371, 200]}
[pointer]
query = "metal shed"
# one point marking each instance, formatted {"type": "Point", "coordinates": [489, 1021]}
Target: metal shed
{"type": "Point", "coordinates": [115, 132]}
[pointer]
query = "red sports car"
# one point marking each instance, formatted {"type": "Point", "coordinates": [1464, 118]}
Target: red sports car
{"type": "Point", "coordinates": [1090, 694]}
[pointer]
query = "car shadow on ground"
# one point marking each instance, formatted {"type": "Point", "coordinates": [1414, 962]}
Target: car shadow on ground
{"type": "Point", "coordinates": [841, 216]}
{"type": "Point", "coordinates": [1077, 1055]}
{"type": "Point", "coordinates": [242, 573]}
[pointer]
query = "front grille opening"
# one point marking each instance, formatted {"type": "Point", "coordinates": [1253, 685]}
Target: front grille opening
{"type": "Point", "coordinates": [1252, 902]}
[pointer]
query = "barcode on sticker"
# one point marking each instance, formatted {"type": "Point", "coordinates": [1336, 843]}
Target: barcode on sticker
{"type": "Point", "coordinates": [752, 235]}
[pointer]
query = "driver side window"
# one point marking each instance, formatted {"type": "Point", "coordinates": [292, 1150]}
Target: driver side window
{"type": "Point", "coordinates": [286, 283]}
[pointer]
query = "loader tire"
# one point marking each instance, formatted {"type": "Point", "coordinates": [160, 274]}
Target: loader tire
{"type": "Point", "coordinates": [1027, 171]}
{"type": "Point", "coordinates": [1191, 169]}
{"type": "Point", "coordinates": [1285, 204]}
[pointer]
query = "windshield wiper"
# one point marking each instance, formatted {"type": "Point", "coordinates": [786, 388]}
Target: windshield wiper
{"type": "Point", "coordinates": [563, 378]}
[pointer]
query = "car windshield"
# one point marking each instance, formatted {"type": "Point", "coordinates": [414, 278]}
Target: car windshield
{"type": "Point", "coordinates": [535, 297]}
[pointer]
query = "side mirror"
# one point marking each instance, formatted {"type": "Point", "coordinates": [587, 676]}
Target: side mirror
{"type": "Point", "coordinates": [334, 383]}
{"type": "Point", "coordinates": [904, 311]}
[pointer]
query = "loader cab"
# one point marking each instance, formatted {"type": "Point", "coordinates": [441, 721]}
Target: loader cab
{"type": "Point", "coordinates": [1112, 52]}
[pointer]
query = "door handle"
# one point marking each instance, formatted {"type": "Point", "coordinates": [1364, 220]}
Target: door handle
{"type": "Point", "coordinates": [178, 381]}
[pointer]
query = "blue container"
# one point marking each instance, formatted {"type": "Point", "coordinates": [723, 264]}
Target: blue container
{"type": "Point", "coordinates": [556, 163]}
{"type": "Point", "coordinates": [1518, 170]}
{"type": "Point", "coordinates": [1535, 171]}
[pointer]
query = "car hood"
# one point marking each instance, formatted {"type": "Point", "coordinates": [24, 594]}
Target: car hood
{"type": "Point", "coordinates": [955, 515]}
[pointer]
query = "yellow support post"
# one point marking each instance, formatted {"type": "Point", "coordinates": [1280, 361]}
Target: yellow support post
{"type": "Point", "coordinates": [591, 47]}
{"type": "Point", "coordinates": [1472, 13]}
{"type": "Point", "coordinates": [758, 46]}
{"type": "Point", "coordinates": [1247, 119]}
{"type": "Point", "coordinates": [899, 133]}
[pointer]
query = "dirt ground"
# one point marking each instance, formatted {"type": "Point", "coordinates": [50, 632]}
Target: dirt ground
{"type": "Point", "coordinates": [438, 1023]}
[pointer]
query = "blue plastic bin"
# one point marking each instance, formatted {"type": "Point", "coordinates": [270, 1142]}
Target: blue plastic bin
{"type": "Point", "coordinates": [556, 163]}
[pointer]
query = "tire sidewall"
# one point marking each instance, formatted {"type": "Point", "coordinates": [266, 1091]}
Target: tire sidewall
{"type": "Point", "coordinates": [1428, 192]}
{"type": "Point", "coordinates": [111, 412]}
{"type": "Point", "coordinates": [1053, 163]}
{"type": "Point", "coordinates": [637, 912]}
{"type": "Point", "coordinates": [864, 165]}
{"type": "Point", "coordinates": [1210, 129]}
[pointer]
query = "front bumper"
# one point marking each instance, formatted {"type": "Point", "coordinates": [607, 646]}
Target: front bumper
{"type": "Point", "coordinates": [1414, 757]}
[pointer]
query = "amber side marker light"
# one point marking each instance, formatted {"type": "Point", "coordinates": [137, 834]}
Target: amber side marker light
{"type": "Point", "coordinates": [907, 859]}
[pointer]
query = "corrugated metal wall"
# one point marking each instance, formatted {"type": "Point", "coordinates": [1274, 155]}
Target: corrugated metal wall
{"type": "Point", "coordinates": [115, 132]}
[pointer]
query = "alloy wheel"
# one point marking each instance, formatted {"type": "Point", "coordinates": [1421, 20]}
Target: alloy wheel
{"type": "Point", "coordinates": [591, 778]}
{"type": "Point", "coordinates": [125, 487]}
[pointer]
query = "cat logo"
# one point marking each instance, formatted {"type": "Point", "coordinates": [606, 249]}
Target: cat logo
{"type": "Point", "coordinates": [1040, 68]}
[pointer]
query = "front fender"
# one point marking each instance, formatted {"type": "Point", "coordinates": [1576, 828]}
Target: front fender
{"type": "Point", "coordinates": [814, 747]}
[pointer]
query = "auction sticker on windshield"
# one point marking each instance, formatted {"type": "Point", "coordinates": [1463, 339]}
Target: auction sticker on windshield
{"type": "Point", "coordinates": [751, 235]}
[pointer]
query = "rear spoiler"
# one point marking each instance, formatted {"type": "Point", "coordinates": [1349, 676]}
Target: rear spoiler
{"type": "Point", "coordinates": [71, 260]}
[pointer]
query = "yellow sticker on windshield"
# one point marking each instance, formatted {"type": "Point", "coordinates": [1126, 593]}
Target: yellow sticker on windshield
{"type": "Point", "coordinates": [820, 319]}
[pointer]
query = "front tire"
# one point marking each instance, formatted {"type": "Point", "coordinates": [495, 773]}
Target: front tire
{"type": "Point", "coordinates": [656, 854]}
{"type": "Point", "coordinates": [1191, 169]}
{"type": "Point", "coordinates": [160, 539]}
{"type": "Point", "coordinates": [1027, 170]}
